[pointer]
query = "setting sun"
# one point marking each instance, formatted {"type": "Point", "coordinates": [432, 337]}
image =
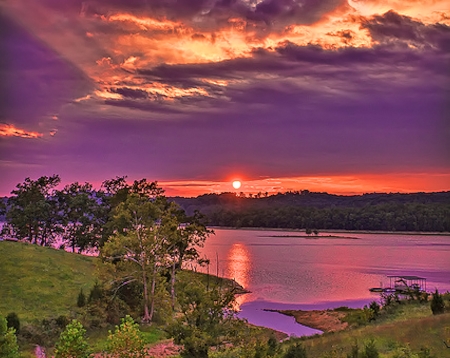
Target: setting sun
{"type": "Point", "coordinates": [236, 184]}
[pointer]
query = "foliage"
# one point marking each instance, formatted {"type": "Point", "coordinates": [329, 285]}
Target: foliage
{"type": "Point", "coordinates": [151, 240]}
{"type": "Point", "coordinates": [32, 211]}
{"type": "Point", "coordinates": [13, 321]}
{"type": "Point", "coordinates": [370, 350]}
{"type": "Point", "coordinates": [301, 210]}
{"type": "Point", "coordinates": [206, 319]}
{"type": "Point", "coordinates": [295, 350]}
{"type": "Point", "coordinates": [83, 215]}
{"type": "Point", "coordinates": [72, 342]}
{"type": "Point", "coordinates": [81, 299]}
{"type": "Point", "coordinates": [375, 307]}
{"type": "Point", "coordinates": [8, 341]}
{"type": "Point", "coordinates": [126, 341]}
{"type": "Point", "coordinates": [437, 303]}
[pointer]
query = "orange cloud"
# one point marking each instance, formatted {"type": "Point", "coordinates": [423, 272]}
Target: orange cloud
{"type": "Point", "coordinates": [9, 130]}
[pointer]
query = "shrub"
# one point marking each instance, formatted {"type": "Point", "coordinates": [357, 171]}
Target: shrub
{"type": "Point", "coordinates": [375, 307]}
{"type": "Point", "coordinates": [126, 341]}
{"type": "Point", "coordinates": [437, 303]}
{"type": "Point", "coordinates": [8, 341]}
{"type": "Point", "coordinates": [354, 351]}
{"type": "Point", "coordinates": [370, 351]}
{"type": "Point", "coordinates": [295, 351]}
{"type": "Point", "coordinates": [13, 321]}
{"type": "Point", "coordinates": [72, 342]}
{"type": "Point", "coordinates": [81, 300]}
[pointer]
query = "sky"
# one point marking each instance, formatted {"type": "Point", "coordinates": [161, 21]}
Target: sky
{"type": "Point", "coordinates": [341, 96]}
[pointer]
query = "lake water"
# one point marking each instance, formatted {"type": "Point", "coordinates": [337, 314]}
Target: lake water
{"type": "Point", "coordinates": [286, 272]}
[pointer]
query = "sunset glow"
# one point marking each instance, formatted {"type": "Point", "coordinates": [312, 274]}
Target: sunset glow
{"type": "Point", "coordinates": [346, 96]}
{"type": "Point", "coordinates": [9, 130]}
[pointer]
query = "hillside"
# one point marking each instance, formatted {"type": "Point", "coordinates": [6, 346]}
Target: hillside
{"type": "Point", "coordinates": [39, 282]}
{"type": "Point", "coordinates": [300, 210]}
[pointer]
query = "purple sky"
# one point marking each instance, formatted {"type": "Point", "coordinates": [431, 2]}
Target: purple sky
{"type": "Point", "coordinates": [342, 96]}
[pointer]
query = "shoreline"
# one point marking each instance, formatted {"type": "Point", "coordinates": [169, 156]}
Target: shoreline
{"type": "Point", "coordinates": [422, 233]}
{"type": "Point", "coordinates": [324, 320]}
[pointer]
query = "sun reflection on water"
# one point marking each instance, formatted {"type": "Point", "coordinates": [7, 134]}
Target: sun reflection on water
{"type": "Point", "coordinates": [238, 267]}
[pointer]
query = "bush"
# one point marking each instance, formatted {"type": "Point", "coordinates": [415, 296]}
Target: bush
{"type": "Point", "coordinates": [126, 341]}
{"type": "Point", "coordinates": [295, 351]}
{"type": "Point", "coordinates": [72, 342]}
{"type": "Point", "coordinates": [370, 351]}
{"type": "Point", "coordinates": [437, 303]}
{"type": "Point", "coordinates": [8, 341]}
{"type": "Point", "coordinates": [13, 321]}
{"type": "Point", "coordinates": [81, 300]}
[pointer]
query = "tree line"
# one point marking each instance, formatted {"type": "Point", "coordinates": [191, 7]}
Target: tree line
{"type": "Point", "coordinates": [143, 240]}
{"type": "Point", "coordinates": [308, 210]}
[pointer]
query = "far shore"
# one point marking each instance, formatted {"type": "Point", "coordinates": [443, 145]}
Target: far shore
{"type": "Point", "coordinates": [422, 233]}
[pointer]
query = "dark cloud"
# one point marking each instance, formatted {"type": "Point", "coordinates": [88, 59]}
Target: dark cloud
{"type": "Point", "coordinates": [130, 92]}
{"type": "Point", "coordinates": [392, 27]}
{"type": "Point", "coordinates": [207, 13]}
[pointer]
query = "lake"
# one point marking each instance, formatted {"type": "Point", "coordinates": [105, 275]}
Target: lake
{"type": "Point", "coordinates": [287, 272]}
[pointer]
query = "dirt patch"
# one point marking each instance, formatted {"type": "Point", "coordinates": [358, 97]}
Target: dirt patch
{"type": "Point", "coordinates": [162, 349]}
{"type": "Point", "coordinates": [324, 320]}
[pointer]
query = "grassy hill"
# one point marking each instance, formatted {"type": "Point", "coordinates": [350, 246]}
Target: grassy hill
{"type": "Point", "coordinates": [414, 328]}
{"type": "Point", "coordinates": [38, 282]}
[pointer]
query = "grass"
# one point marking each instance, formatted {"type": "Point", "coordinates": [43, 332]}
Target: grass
{"type": "Point", "coordinates": [39, 282]}
{"type": "Point", "coordinates": [409, 325]}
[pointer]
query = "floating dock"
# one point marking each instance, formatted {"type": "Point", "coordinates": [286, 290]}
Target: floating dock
{"type": "Point", "coordinates": [403, 284]}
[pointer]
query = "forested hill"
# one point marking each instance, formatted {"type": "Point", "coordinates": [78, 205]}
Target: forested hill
{"type": "Point", "coordinates": [309, 210]}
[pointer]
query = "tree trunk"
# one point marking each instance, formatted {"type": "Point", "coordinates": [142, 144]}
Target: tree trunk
{"type": "Point", "coordinates": [147, 317]}
{"type": "Point", "coordinates": [172, 286]}
{"type": "Point", "coordinates": [152, 302]}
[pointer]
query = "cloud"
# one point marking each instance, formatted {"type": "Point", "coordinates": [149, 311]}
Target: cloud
{"type": "Point", "coordinates": [393, 27]}
{"type": "Point", "coordinates": [9, 130]}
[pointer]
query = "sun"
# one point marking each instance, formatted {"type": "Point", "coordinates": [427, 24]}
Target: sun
{"type": "Point", "coordinates": [236, 184]}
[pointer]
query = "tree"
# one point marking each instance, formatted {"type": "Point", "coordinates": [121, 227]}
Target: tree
{"type": "Point", "coordinates": [126, 341]}
{"type": "Point", "coordinates": [151, 238]}
{"type": "Point", "coordinates": [8, 341]}
{"type": "Point", "coordinates": [72, 342]}
{"type": "Point", "coordinates": [134, 252]}
{"type": "Point", "coordinates": [437, 303]}
{"type": "Point", "coordinates": [207, 319]}
{"type": "Point", "coordinates": [83, 215]}
{"type": "Point", "coordinates": [33, 212]}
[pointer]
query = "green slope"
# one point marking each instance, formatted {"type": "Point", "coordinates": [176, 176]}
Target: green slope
{"type": "Point", "coordinates": [40, 282]}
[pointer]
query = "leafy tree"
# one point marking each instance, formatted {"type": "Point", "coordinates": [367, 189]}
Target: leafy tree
{"type": "Point", "coordinates": [126, 341]}
{"type": "Point", "coordinates": [72, 342]}
{"type": "Point", "coordinates": [152, 237]}
{"type": "Point", "coordinates": [437, 303]}
{"type": "Point", "coordinates": [8, 341]}
{"type": "Point", "coordinates": [83, 215]}
{"type": "Point", "coordinates": [33, 210]}
{"type": "Point", "coordinates": [133, 254]}
{"type": "Point", "coordinates": [207, 319]}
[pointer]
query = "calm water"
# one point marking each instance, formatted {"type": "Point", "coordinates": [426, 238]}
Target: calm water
{"type": "Point", "coordinates": [300, 273]}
